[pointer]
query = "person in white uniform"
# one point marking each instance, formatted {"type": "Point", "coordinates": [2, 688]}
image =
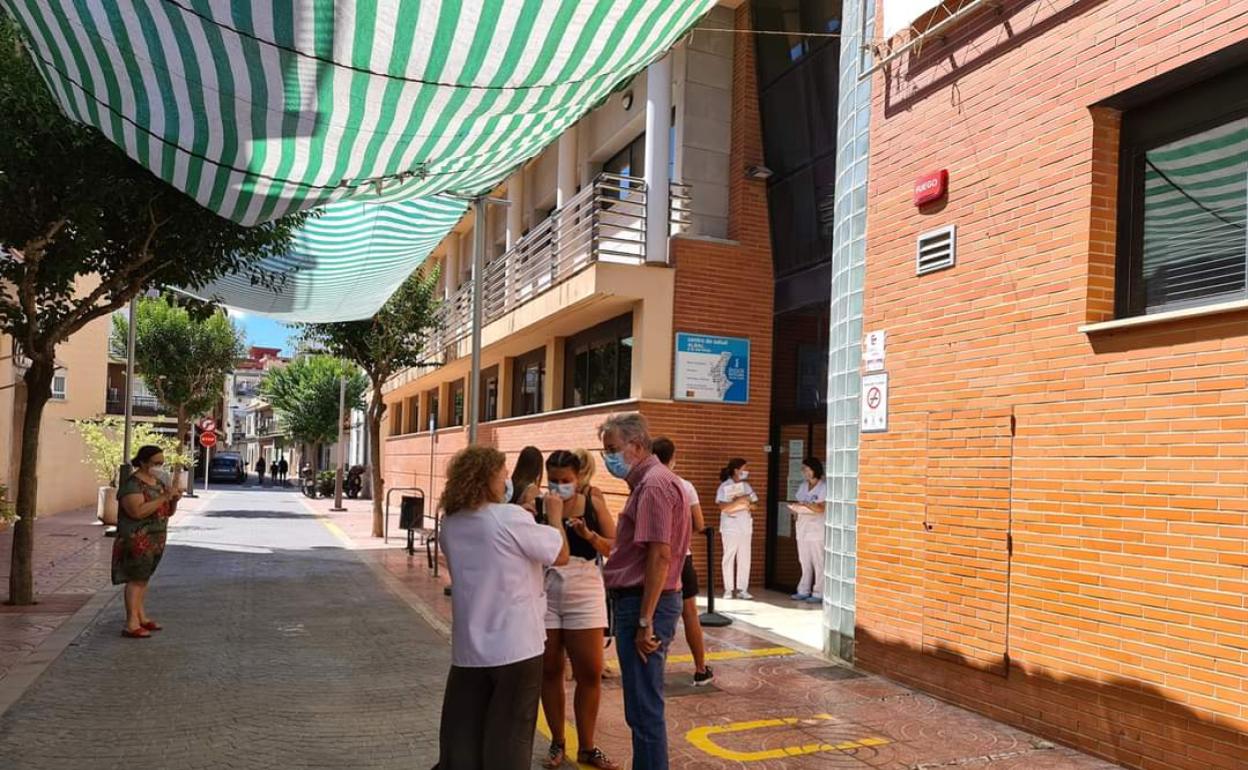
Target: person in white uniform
{"type": "Point", "coordinates": [736, 501]}
{"type": "Point", "coordinates": [809, 512]}
{"type": "Point", "coordinates": [497, 553]}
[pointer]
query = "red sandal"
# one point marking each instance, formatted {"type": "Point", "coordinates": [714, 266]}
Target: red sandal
{"type": "Point", "coordinates": [152, 625]}
{"type": "Point", "coordinates": [138, 633]}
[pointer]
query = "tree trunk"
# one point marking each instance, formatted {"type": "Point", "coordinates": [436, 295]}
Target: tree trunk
{"type": "Point", "coordinates": [38, 381]}
{"type": "Point", "coordinates": [376, 411]}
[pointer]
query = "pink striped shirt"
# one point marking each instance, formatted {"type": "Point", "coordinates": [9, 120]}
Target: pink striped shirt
{"type": "Point", "coordinates": [656, 512]}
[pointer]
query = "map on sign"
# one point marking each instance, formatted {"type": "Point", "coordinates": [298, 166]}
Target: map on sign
{"type": "Point", "coordinates": [713, 369]}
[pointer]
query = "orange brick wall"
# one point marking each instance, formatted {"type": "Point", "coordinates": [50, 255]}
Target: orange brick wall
{"type": "Point", "coordinates": [1117, 462]}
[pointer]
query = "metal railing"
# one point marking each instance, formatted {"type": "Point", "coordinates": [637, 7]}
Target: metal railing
{"type": "Point", "coordinates": [604, 222]}
{"type": "Point", "coordinates": [145, 406]}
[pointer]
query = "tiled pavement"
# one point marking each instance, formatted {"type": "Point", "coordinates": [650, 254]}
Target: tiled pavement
{"type": "Point", "coordinates": [283, 648]}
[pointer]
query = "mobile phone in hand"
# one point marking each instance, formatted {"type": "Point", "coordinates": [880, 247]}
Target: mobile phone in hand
{"type": "Point", "coordinates": [540, 508]}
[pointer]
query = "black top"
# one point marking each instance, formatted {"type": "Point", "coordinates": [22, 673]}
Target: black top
{"type": "Point", "coordinates": [579, 546]}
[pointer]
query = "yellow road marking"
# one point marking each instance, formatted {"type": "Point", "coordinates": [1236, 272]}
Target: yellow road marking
{"type": "Point", "coordinates": [569, 733]}
{"type": "Point", "coordinates": [762, 652]}
{"type": "Point", "coordinates": [701, 738]}
{"type": "Point", "coordinates": [336, 531]}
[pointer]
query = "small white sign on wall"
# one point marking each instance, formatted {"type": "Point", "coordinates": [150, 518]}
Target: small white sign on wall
{"type": "Point", "coordinates": [875, 403]}
{"type": "Point", "coordinates": [873, 348]}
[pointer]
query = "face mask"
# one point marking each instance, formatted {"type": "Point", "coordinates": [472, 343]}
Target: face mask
{"type": "Point", "coordinates": [162, 476]}
{"type": "Point", "coordinates": [744, 475]}
{"type": "Point", "coordinates": [563, 491]}
{"type": "Point", "coordinates": [616, 465]}
{"type": "Point", "coordinates": [509, 490]}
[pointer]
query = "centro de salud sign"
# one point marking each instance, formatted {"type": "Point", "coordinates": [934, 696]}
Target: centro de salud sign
{"type": "Point", "coordinates": [714, 369]}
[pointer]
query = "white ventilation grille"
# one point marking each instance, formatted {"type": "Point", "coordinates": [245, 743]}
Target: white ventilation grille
{"type": "Point", "coordinates": [937, 250]}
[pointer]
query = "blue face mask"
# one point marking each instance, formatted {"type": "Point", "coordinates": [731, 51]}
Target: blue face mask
{"type": "Point", "coordinates": [616, 465]}
{"type": "Point", "coordinates": [563, 491]}
{"type": "Point", "coordinates": [509, 490]}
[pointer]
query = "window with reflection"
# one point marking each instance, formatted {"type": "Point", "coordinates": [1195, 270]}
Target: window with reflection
{"type": "Point", "coordinates": [598, 363]}
{"type": "Point", "coordinates": [528, 383]}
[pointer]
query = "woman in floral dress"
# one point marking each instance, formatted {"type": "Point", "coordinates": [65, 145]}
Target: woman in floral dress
{"type": "Point", "coordinates": [146, 503]}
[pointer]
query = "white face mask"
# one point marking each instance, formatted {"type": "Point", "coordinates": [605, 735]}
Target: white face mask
{"type": "Point", "coordinates": [563, 491]}
{"type": "Point", "coordinates": [509, 490]}
{"type": "Point", "coordinates": [162, 476]}
{"type": "Point", "coordinates": [743, 475]}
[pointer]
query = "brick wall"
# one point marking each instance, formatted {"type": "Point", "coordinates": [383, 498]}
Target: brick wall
{"type": "Point", "coordinates": [1116, 462]}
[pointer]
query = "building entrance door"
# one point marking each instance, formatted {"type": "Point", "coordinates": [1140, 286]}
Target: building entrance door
{"type": "Point", "coordinates": [790, 444]}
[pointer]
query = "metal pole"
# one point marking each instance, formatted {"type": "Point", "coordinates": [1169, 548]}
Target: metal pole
{"type": "Point", "coordinates": [207, 466]}
{"type": "Point", "coordinates": [190, 472]}
{"type": "Point", "coordinates": [342, 405]}
{"type": "Point", "coordinates": [480, 209]}
{"type": "Point", "coordinates": [711, 618]}
{"type": "Point", "coordinates": [125, 442]}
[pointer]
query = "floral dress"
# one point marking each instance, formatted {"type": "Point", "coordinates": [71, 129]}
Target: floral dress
{"type": "Point", "coordinates": [140, 542]}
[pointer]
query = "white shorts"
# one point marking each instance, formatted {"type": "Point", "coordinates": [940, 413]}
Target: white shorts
{"type": "Point", "coordinates": [576, 599]}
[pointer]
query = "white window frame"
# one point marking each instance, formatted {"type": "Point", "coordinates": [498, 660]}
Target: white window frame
{"type": "Point", "coordinates": [64, 391]}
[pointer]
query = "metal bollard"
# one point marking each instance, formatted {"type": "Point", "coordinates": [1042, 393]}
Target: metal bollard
{"type": "Point", "coordinates": [711, 617]}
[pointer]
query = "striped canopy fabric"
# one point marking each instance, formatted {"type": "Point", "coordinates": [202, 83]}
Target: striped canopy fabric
{"type": "Point", "coordinates": [346, 262]}
{"type": "Point", "coordinates": [1195, 234]}
{"type": "Point", "coordinates": [259, 108]}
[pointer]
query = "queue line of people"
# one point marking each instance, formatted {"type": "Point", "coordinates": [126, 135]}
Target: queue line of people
{"type": "Point", "coordinates": [533, 570]}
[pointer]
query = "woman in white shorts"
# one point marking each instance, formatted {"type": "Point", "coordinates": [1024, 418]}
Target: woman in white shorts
{"type": "Point", "coordinates": [576, 615]}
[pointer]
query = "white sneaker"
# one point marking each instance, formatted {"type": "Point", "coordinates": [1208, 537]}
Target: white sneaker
{"type": "Point", "coordinates": [744, 595]}
{"type": "Point", "coordinates": [727, 594]}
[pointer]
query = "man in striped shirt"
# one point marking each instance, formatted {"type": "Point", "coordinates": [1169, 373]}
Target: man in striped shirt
{"type": "Point", "coordinates": [643, 576]}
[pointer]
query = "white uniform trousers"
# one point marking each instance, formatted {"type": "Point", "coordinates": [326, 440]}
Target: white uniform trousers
{"type": "Point", "coordinates": [737, 530]}
{"type": "Point", "coordinates": [810, 553]}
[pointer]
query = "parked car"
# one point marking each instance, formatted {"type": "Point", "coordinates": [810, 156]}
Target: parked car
{"type": "Point", "coordinates": [227, 468]}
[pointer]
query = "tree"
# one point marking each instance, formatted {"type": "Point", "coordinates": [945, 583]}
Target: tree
{"type": "Point", "coordinates": [104, 441]}
{"type": "Point", "coordinates": [82, 230]}
{"type": "Point", "coordinates": [184, 357]}
{"type": "Point", "coordinates": [383, 346]}
{"type": "Point", "coordinates": [305, 395]}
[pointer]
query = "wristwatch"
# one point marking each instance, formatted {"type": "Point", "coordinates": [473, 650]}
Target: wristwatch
{"type": "Point", "coordinates": [643, 622]}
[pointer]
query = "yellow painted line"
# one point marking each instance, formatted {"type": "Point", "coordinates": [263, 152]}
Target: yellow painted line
{"type": "Point", "coordinates": [336, 531]}
{"type": "Point", "coordinates": [569, 734]}
{"type": "Point", "coordinates": [701, 738]}
{"type": "Point", "coordinates": [762, 652]}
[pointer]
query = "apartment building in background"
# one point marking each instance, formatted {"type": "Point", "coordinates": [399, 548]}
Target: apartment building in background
{"type": "Point", "coordinates": [79, 392]}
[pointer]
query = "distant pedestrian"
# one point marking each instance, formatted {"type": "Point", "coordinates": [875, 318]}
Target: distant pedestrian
{"type": "Point", "coordinates": [665, 450]}
{"type": "Point", "coordinates": [273, 471]}
{"type": "Point", "coordinates": [260, 466]}
{"type": "Point", "coordinates": [643, 575]}
{"type": "Point", "coordinates": [576, 616]}
{"type": "Point", "coordinates": [283, 468]}
{"type": "Point", "coordinates": [496, 553]}
{"type": "Point", "coordinates": [736, 500]}
{"type": "Point", "coordinates": [146, 500]}
{"type": "Point", "coordinates": [526, 479]}
{"type": "Point", "coordinates": [809, 514]}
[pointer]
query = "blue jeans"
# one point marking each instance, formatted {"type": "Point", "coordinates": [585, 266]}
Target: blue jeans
{"type": "Point", "coordinates": [643, 682]}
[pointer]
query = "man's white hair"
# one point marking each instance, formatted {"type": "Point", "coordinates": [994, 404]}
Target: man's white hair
{"type": "Point", "coordinates": [631, 428]}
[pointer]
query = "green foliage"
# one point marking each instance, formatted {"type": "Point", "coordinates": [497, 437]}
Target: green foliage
{"type": "Point", "coordinates": [72, 206]}
{"type": "Point", "coordinates": [304, 393]}
{"type": "Point", "coordinates": [8, 514]}
{"type": "Point", "coordinates": [183, 357]}
{"type": "Point", "coordinates": [390, 341]}
{"type": "Point", "coordinates": [104, 440]}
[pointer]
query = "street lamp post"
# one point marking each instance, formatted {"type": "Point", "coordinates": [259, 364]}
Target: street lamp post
{"type": "Point", "coordinates": [480, 213]}
{"type": "Point", "coordinates": [124, 472]}
{"type": "Point", "coordinates": [342, 403]}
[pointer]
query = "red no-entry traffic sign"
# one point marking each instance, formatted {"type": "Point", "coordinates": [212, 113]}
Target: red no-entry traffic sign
{"type": "Point", "coordinates": [207, 439]}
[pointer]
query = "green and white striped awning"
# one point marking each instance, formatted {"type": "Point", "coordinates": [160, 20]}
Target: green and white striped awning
{"type": "Point", "coordinates": [260, 108]}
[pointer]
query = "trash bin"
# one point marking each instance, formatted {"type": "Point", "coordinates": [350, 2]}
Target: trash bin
{"type": "Point", "coordinates": [412, 512]}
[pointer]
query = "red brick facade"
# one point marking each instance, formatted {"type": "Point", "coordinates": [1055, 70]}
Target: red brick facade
{"type": "Point", "coordinates": [1054, 531]}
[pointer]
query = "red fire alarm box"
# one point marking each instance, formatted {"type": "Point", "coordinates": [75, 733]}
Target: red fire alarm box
{"type": "Point", "coordinates": [930, 188]}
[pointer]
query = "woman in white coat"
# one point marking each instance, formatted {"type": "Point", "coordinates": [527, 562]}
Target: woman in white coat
{"type": "Point", "coordinates": [736, 501]}
{"type": "Point", "coordinates": [808, 510]}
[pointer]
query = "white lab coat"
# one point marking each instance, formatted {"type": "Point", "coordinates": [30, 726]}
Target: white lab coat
{"type": "Point", "coordinates": [736, 531]}
{"type": "Point", "coordinates": [810, 528]}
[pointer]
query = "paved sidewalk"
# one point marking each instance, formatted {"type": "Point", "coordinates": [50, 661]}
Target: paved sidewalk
{"type": "Point", "coordinates": [772, 705]}
{"type": "Point", "coordinates": [71, 562]}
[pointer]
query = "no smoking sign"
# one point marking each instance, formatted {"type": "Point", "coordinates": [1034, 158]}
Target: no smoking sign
{"type": "Point", "coordinates": [875, 403]}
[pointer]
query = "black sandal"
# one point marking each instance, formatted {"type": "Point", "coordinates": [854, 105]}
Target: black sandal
{"type": "Point", "coordinates": [555, 755]}
{"type": "Point", "coordinates": [595, 758]}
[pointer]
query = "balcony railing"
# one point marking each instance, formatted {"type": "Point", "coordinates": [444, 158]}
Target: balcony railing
{"type": "Point", "coordinates": [144, 406]}
{"type": "Point", "coordinates": [605, 222]}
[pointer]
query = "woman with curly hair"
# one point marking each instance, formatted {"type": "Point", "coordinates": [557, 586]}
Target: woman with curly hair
{"type": "Point", "coordinates": [496, 552]}
{"type": "Point", "coordinates": [146, 500]}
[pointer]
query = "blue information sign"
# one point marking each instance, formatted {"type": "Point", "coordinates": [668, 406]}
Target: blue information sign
{"type": "Point", "coordinates": [715, 369]}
